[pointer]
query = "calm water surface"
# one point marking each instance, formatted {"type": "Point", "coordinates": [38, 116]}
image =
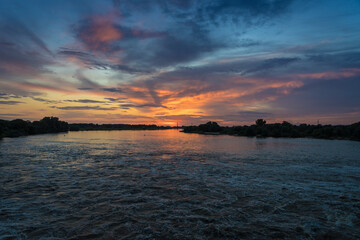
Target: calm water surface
{"type": "Point", "coordinates": [171, 185]}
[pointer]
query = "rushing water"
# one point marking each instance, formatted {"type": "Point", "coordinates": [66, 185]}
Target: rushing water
{"type": "Point", "coordinates": [171, 185]}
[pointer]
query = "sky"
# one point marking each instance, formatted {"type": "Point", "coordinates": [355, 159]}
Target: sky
{"type": "Point", "coordinates": [178, 61]}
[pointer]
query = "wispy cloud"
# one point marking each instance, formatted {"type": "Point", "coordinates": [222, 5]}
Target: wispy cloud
{"type": "Point", "coordinates": [44, 100]}
{"type": "Point", "coordinates": [84, 101]}
{"type": "Point", "coordinates": [85, 108]}
{"type": "Point", "coordinates": [10, 102]}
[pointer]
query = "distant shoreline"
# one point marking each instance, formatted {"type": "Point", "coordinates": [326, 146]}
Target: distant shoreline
{"type": "Point", "coordinates": [260, 137]}
{"type": "Point", "coordinates": [260, 129]}
{"type": "Point", "coordinates": [281, 130]}
{"type": "Point", "coordinates": [19, 127]}
{"type": "Point", "coordinates": [94, 127]}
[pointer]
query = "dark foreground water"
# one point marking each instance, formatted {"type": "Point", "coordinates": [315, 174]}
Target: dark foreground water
{"type": "Point", "coordinates": [172, 185]}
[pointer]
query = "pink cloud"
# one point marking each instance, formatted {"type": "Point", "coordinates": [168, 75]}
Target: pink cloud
{"type": "Point", "coordinates": [100, 32]}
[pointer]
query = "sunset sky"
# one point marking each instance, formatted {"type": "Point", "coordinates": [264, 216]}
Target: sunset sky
{"type": "Point", "coordinates": [168, 61]}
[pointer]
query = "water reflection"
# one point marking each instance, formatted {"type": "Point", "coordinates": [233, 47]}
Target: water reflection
{"type": "Point", "coordinates": [167, 184]}
{"type": "Point", "coordinates": [260, 144]}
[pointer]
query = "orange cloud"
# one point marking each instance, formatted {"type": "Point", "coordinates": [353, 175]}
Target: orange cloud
{"type": "Point", "coordinates": [100, 32]}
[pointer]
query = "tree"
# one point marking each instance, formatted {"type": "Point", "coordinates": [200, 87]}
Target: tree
{"type": "Point", "coordinates": [210, 127]}
{"type": "Point", "coordinates": [260, 122]}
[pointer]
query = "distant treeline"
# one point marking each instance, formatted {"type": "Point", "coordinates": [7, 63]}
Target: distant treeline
{"type": "Point", "coordinates": [91, 126]}
{"type": "Point", "coordinates": [19, 127]}
{"type": "Point", "coordinates": [284, 129]}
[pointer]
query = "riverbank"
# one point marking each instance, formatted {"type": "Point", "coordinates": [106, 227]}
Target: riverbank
{"type": "Point", "coordinates": [108, 127]}
{"type": "Point", "coordinates": [284, 130]}
{"type": "Point", "coordinates": [19, 127]}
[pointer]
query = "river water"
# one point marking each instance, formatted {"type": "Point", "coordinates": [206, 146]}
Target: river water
{"type": "Point", "coordinates": [171, 185]}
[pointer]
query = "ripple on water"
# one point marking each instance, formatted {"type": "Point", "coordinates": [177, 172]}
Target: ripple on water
{"type": "Point", "coordinates": [122, 185]}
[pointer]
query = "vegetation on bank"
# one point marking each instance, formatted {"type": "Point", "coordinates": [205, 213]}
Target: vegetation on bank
{"type": "Point", "coordinates": [284, 129]}
{"type": "Point", "coordinates": [91, 126]}
{"type": "Point", "coordinates": [19, 127]}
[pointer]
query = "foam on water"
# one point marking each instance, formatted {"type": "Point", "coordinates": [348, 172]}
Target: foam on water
{"type": "Point", "coordinates": [171, 185]}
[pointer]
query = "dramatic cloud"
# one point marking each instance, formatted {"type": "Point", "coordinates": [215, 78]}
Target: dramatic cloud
{"type": "Point", "coordinates": [98, 32]}
{"type": "Point", "coordinates": [169, 61]}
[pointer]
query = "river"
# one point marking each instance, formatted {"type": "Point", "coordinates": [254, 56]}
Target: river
{"type": "Point", "coordinates": [171, 185]}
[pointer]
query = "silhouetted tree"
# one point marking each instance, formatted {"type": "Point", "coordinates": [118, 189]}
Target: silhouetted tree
{"type": "Point", "coordinates": [260, 122]}
{"type": "Point", "coordinates": [210, 127]}
{"type": "Point", "coordinates": [19, 127]}
{"type": "Point", "coordinates": [287, 124]}
{"type": "Point", "coordinates": [356, 131]}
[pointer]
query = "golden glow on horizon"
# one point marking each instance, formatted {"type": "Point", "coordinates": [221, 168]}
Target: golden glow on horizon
{"type": "Point", "coordinates": [135, 103]}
